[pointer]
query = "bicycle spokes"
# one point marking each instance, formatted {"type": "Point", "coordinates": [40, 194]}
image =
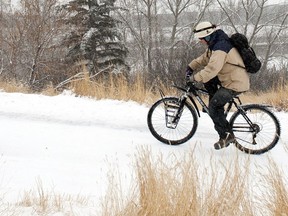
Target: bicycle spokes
{"type": "Point", "coordinates": [172, 121]}
{"type": "Point", "coordinates": [253, 129]}
{"type": "Point", "coordinates": [256, 129]}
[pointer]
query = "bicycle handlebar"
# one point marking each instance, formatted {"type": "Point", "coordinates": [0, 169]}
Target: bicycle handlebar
{"type": "Point", "coordinates": [191, 87]}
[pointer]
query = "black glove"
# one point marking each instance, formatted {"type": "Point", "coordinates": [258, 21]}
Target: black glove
{"type": "Point", "coordinates": [190, 81]}
{"type": "Point", "coordinates": [189, 72]}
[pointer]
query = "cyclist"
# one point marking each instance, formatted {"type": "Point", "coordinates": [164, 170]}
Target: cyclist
{"type": "Point", "coordinates": [222, 80]}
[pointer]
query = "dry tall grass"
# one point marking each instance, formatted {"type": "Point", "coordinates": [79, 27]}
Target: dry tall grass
{"type": "Point", "coordinates": [185, 187]}
{"type": "Point", "coordinates": [277, 198]}
{"type": "Point", "coordinates": [278, 97]}
{"type": "Point", "coordinates": [117, 87]}
{"type": "Point", "coordinates": [47, 202]}
{"type": "Point", "coordinates": [174, 186]}
{"type": "Point", "coordinates": [136, 89]}
{"type": "Point", "coordinates": [13, 86]}
{"type": "Point", "coordinates": [18, 87]}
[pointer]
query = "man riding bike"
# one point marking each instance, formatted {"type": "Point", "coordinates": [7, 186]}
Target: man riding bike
{"type": "Point", "coordinates": [222, 79]}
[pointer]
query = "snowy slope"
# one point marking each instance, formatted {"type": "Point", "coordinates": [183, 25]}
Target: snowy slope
{"type": "Point", "coordinates": [71, 143]}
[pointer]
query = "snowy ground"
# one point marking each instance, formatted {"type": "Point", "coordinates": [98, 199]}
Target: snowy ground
{"type": "Point", "coordinates": [69, 144]}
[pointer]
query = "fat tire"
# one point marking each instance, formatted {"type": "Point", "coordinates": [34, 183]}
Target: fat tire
{"type": "Point", "coordinates": [273, 136]}
{"type": "Point", "coordinates": [162, 134]}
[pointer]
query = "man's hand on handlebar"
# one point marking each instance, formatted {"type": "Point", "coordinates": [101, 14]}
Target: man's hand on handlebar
{"type": "Point", "coordinates": [189, 72]}
{"type": "Point", "coordinates": [190, 81]}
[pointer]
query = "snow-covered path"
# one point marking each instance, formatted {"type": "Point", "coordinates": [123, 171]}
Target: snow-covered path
{"type": "Point", "coordinates": [70, 143]}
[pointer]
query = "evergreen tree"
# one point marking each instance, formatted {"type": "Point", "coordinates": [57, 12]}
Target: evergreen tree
{"type": "Point", "coordinates": [94, 36]}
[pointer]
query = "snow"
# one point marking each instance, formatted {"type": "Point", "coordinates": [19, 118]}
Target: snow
{"type": "Point", "coordinates": [69, 145]}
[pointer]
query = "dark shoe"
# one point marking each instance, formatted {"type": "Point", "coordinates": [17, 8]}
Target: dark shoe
{"type": "Point", "coordinates": [222, 143]}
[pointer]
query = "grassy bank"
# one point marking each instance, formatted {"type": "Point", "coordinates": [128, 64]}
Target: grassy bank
{"type": "Point", "coordinates": [136, 89]}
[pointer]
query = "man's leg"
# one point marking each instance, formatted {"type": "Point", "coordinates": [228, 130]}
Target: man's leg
{"type": "Point", "coordinates": [216, 109]}
{"type": "Point", "coordinates": [212, 86]}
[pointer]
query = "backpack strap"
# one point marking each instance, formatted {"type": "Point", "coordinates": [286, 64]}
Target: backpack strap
{"type": "Point", "coordinates": [236, 65]}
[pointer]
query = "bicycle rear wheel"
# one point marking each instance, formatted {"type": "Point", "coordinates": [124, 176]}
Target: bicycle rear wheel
{"type": "Point", "coordinates": [264, 133]}
{"type": "Point", "coordinates": [167, 126]}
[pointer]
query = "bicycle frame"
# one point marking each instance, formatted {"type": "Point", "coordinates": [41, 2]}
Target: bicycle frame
{"type": "Point", "coordinates": [194, 91]}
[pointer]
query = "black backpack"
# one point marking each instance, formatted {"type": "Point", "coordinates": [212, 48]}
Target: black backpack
{"type": "Point", "coordinates": [251, 62]}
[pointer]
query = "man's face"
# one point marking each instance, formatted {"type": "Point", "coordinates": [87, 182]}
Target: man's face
{"type": "Point", "coordinates": [203, 41]}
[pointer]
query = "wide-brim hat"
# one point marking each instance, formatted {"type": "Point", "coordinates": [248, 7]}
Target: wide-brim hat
{"type": "Point", "coordinates": [204, 29]}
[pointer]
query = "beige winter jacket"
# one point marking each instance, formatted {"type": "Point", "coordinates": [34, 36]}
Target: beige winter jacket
{"type": "Point", "coordinates": [216, 63]}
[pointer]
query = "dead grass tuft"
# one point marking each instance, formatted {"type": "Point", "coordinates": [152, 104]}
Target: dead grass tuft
{"type": "Point", "coordinates": [13, 86]}
{"type": "Point", "coordinates": [185, 187]}
{"type": "Point", "coordinates": [278, 97]}
{"type": "Point", "coordinates": [45, 201]}
{"type": "Point", "coordinates": [277, 197]}
{"type": "Point", "coordinates": [117, 87]}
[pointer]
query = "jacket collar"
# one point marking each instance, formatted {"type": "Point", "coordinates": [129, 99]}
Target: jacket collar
{"type": "Point", "coordinates": [217, 36]}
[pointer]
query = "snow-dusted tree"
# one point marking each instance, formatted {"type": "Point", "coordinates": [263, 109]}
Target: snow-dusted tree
{"type": "Point", "coordinates": [94, 36]}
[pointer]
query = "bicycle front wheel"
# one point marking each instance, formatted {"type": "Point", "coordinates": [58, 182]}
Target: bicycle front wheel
{"type": "Point", "coordinates": [259, 137]}
{"type": "Point", "coordinates": [171, 124]}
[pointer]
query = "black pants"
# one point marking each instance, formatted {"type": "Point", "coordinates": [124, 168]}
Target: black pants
{"type": "Point", "coordinates": [218, 97]}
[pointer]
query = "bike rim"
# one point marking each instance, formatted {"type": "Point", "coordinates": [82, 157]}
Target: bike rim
{"type": "Point", "coordinates": [167, 132]}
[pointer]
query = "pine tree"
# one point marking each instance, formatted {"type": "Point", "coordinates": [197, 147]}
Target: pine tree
{"type": "Point", "coordinates": [94, 36]}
